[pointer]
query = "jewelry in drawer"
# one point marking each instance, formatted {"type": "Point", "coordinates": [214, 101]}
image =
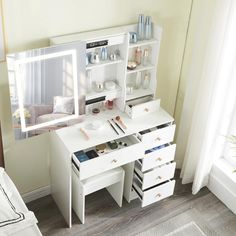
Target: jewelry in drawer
{"type": "Point", "coordinates": [157, 156]}
{"type": "Point", "coordinates": [155, 193]}
{"type": "Point", "coordinates": [155, 176]}
{"type": "Point", "coordinates": [157, 136]}
{"type": "Point", "coordinates": [107, 156]}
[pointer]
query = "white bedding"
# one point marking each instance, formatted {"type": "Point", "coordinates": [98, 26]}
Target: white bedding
{"type": "Point", "coordinates": [14, 215]}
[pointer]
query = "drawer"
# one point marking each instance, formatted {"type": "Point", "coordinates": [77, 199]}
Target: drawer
{"type": "Point", "coordinates": [145, 108]}
{"type": "Point", "coordinates": [155, 176]}
{"type": "Point", "coordinates": [158, 157]}
{"type": "Point", "coordinates": [157, 136]}
{"type": "Point", "coordinates": [154, 194]}
{"type": "Point", "coordinates": [110, 160]}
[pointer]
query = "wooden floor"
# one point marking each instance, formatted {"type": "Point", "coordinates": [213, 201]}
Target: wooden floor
{"type": "Point", "coordinates": [104, 217]}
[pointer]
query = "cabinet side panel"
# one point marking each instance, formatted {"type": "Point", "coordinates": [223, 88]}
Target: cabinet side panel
{"type": "Point", "coordinates": [60, 172]}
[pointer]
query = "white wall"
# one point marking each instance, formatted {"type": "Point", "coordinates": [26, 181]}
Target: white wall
{"type": "Point", "coordinates": [29, 24]}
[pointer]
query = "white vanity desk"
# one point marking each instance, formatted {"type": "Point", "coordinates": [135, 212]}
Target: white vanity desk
{"type": "Point", "coordinates": [65, 142]}
{"type": "Point", "coordinates": [148, 157]}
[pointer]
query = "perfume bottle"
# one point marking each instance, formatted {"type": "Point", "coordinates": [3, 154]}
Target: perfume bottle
{"type": "Point", "coordinates": [138, 80]}
{"type": "Point", "coordinates": [145, 57]}
{"type": "Point", "coordinates": [138, 55]}
{"type": "Point", "coordinates": [148, 28]}
{"type": "Point", "coordinates": [141, 27]}
{"type": "Point", "coordinates": [104, 54]}
{"type": "Point", "coordinates": [146, 81]}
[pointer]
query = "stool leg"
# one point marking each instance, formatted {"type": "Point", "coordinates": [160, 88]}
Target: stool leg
{"type": "Point", "coordinates": [116, 190]}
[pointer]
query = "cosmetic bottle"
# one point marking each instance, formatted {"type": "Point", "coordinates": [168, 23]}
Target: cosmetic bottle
{"type": "Point", "coordinates": [104, 54]}
{"type": "Point", "coordinates": [148, 27]}
{"type": "Point", "coordinates": [146, 81]}
{"type": "Point", "coordinates": [141, 27]}
{"type": "Point", "coordinates": [138, 80]}
{"type": "Point", "coordinates": [138, 55]}
{"type": "Point", "coordinates": [145, 57]}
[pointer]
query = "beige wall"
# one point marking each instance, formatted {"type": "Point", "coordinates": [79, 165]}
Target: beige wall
{"type": "Point", "coordinates": [29, 24]}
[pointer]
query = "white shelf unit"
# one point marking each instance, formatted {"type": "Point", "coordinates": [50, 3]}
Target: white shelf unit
{"type": "Point", "coordinates": [139, 93]}
{"type": "Point", "coordinates": [103, 63]}
{"type": "Point", "coordinates": [118, 38]}
{"type": "Point", "coordinates": [143, 43]}
{"type": "Point", "coordinates": [109, 94]}
{"type": "Point", "coordinates": [140, 68]}
{"type": "Point", "coordinates": [153, 46]}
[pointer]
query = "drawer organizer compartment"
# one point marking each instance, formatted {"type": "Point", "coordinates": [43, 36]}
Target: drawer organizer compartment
{"type": "Point", "coordinates": [95, 160]}
{"type": "Point", "coordinates": [155, 193]}
{"type": "Point", "coordinates": [157, 156]}
{"type": "Point", "coordinates": [157, 136]}
{"type": "Point", "coordinates": [144, 106]}
{"type": "Point", "coordinates": [154, 176]}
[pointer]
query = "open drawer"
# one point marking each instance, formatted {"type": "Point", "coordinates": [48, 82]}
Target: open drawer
{"type": "Point", "coordinates": [111, 158]}
{"type": "Point", "coordinates": [157, 136]}
{"type": "Point", "coordinates": [155, 176]}
{"type": "Point", "coordinates": [135, 110]}
{"type": "Point", "coordinates": [157, 156]}
{"type": "Point", "coordinates": [154, 194]}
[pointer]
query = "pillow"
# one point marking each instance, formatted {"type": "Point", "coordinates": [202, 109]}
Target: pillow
{"type": "Point", "coordinates": [63, 105]}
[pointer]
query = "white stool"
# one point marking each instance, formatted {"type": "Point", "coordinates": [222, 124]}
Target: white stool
{"type": "Point", "coordinates": [113, 180]}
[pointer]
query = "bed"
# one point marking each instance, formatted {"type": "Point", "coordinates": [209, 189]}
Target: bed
{"type": "Point", "coordinates": [15, 218]}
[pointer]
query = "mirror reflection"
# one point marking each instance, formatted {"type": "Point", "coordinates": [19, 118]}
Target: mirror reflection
{"type": "Point", "coordinates": [44, 89]}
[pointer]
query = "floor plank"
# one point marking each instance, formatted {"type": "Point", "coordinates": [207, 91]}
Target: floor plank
{"type": "Point", "coordinates": [105, 217]}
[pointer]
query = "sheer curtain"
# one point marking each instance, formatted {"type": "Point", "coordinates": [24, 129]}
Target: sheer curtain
{"type": "Point", "coordinates": [210, 92]}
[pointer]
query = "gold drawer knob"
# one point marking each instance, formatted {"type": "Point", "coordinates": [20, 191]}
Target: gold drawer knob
{"type": "Point", "coordinates": [146, 109]}
{"type": "Point", "coordinates": [159, 159]}
{"type": "Point", "coordinates": [159, 177]}
{"type": "Point", "coordinates": [158, 139]}
{"type": "Point", "coordinates": [114, 161]}
{"type": "Point", "coordinates": [158, 195]}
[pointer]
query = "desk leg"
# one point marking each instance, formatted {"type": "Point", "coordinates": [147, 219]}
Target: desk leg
{"type": "Point", "coordinates": [60, 173]}
{"type": "Point", "coordinates": [129, 173]}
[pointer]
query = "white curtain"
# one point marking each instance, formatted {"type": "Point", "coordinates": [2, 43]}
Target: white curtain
{"type": "Point", "coordinates": [33, 79]}
{"type": "Point", "coordinates": [210, 92]}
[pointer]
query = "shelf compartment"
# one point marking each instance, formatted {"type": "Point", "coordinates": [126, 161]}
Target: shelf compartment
{"type": "Point", "coordinates": [110, 160]}
{"type": "Point", "coordinates": [137, 93]}
{"type": "Point", "coordinates": [109, 94]}
{"type": "Point", "coordinates": [143, 43]}
{"type": "Point", "coordinates": [103, 63]}
{"type": "Point", "coordinates": [141, 68]}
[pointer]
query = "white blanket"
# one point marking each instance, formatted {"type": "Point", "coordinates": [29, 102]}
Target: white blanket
{"type": "Point", "coordinates": [14, 216]}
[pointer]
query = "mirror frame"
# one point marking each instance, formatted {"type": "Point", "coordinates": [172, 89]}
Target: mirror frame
{"type": "Point", "coordinates": [19, 62]}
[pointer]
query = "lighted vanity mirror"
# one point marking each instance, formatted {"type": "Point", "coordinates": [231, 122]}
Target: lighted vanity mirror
{"type": "Point", "coordinates": [46, 88]}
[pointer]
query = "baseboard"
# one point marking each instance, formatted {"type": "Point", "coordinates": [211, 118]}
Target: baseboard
{"type": "Point", "coordinates": [36, 194]}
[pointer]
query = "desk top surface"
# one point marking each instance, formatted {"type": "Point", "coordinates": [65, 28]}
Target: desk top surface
{"type": "Point", "coordinates": [75, 140]}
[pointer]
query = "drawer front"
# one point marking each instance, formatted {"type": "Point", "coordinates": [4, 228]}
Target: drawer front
{"type": "Point", "coordinates": [155, 194]}
{"type": "Point", "coordinates": [143, 108]}
{"type": "Point", "coordinates": [158, 137]}
{"type": "Point", "coordinates": [111, 160]}
{"type": "Point", "coordinates": [158, 175]}
{"type": "Point", "coordinates": [158, 157]}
